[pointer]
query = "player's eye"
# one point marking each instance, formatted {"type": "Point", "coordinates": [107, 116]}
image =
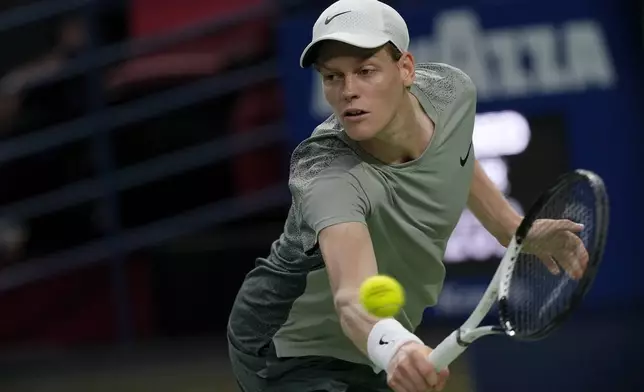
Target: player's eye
{"type": "Point", "coordinates": [330, 77]}
{"type": "Point", "coordinates": [366, 71]}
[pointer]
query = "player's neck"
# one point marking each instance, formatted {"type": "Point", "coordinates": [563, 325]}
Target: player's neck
{"type": "Point", "coordinates": [407, 136]}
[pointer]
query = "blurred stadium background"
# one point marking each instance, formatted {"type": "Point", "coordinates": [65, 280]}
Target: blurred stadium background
{"type": "Point", "coordinates": [144, 149]}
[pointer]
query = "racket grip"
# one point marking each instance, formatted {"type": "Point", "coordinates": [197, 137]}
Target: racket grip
{"type": "Point", "coordinates": [446, 352]}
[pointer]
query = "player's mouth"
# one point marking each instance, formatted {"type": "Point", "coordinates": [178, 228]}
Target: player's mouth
{"type": "Point", "coordinates": [354, 114]}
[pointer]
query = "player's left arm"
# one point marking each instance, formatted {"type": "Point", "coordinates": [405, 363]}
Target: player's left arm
{"type": "Point", "coordinates": [485, 200]}
{"type": "Point", "coordinates": [499, 217]}
{"type": "Point", "coordinates": [549, 240]}
{"type": "Point", "coordinates": [491, 207]}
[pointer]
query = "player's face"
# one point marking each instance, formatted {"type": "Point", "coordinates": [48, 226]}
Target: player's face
{"type": "Point", "coordinates": [364, 87]}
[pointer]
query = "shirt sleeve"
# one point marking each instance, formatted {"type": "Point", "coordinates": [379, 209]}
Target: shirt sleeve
{"type": "Point", "coordinates": [333, 196]}
{"type": "Point", "coordinates": [325, 182]}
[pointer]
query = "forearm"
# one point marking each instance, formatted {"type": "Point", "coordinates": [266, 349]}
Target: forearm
{"type": "Point", "coordinates": [491, 207]}
{"type": "Point", "coordinates": [349, 258]}
{"type": "Point", "coordinates": [355, 321]}
{"type": "Point", "coordinates": [378, 339]}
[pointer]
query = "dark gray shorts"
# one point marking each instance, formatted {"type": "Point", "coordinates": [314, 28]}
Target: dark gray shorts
{"type": "Point", "coordinates": [302, 374]}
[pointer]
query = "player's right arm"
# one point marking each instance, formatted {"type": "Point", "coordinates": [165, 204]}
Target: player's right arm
{"type": "Point", "coordinates": [335, 207]}
{"type": "Point", "coordinates": [349, 258]}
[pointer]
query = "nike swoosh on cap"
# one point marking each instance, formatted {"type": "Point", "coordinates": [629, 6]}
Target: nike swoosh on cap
{"type": "Point", "coordinates": [330, 18]}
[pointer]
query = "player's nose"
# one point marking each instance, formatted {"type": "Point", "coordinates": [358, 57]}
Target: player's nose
{"type": "Point", "coordinates": [349, 92]}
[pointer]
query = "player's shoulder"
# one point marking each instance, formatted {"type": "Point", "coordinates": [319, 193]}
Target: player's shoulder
{"type": "Point", "coordinates": [325, 150]}
{"type": "Point", "coordinates": [448, 77]}
{"type": "Point", "coordinates": [444, 84]}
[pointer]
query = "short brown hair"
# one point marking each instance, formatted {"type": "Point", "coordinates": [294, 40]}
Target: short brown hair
{"type": "Point", "coordinates": [393, 51]}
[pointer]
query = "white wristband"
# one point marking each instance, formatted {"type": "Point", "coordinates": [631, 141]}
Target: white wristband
{"type": "Point", "coordinates": [385, 339]}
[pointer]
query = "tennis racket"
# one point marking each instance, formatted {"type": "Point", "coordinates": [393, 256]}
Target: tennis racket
{"type": "Point", "coordinates": [533, 300]}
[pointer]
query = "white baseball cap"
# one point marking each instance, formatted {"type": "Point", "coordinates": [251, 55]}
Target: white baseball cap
{"type": "Point", "coordinates": [362, 23]}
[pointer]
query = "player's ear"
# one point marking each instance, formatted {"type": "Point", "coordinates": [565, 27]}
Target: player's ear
{"type": "Point", "coordinates": [407, 67]}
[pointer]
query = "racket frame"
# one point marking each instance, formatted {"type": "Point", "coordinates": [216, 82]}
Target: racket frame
{"type": "Point", "coordinates": [585, 282]}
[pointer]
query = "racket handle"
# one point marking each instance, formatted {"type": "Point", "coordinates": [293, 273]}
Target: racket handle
{"type": "Point", "coordinates": [446, 352]}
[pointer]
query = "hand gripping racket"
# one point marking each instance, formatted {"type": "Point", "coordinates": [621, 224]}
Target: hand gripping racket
{"type": "Point", "coordinates": [531, 300]}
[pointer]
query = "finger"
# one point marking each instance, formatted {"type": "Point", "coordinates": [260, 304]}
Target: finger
{"type": "Point", "coordinates": [550, 263]}
{"type": "Point", "coordinates": [578, 263]}
{"type": "Point", "coordinates": [400, 383]}
{"type": "Point", "coordinates": [412, 376]}
{"type": "Point", "coordinates": [403, 376]}
{"type": "Point", "coordinates": [443, 376]}
{"type": "Point", "coordinates": [569, 263]}
{"type": "Point", "coordinates": [397, 386]}
{"type": "Point", "coordinates": [395, 377]}
{"type": "Point", "coordinates": [565, 262]}
{"type": "Point", "coordinates": [581, 254]}
{"type": "Point", "coordinates": [425, 369]}
{"type": "Point", "coordinates": [573, 256]}
{"type": "Point", "coordinates": [568, 225]}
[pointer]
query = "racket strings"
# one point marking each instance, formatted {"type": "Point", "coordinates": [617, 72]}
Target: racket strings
{"type": "Point", "coordinates": [537, 296]}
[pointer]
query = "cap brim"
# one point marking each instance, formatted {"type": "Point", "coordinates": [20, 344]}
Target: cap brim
{"type": "Point", "coordinates": [359, 40]}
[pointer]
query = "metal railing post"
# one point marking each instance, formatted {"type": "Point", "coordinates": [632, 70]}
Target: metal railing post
{"type": "Point", "coordinates": [103, 158]}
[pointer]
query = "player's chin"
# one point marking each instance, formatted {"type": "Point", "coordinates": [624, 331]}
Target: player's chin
{"type": "Point", "coordinates": [359, 131]}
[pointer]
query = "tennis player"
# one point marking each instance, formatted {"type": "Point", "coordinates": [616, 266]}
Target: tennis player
{"type": "Point", "coordinates": [377, 188]}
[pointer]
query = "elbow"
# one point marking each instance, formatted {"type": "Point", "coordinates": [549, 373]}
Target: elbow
{"type": "Point", "coordinates": [342, 301]}
{"type": "Point", "coordinates": [347, 305]}
{"type": "Point", "coordinates": [345, 299]}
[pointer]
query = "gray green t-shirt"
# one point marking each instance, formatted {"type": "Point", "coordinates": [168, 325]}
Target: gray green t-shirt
{"type": "Point", "coordinates": [410, 210]}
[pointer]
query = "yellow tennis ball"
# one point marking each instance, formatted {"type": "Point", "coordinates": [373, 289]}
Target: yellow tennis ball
{"type": "Point", "coordinates": [382, 296]}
